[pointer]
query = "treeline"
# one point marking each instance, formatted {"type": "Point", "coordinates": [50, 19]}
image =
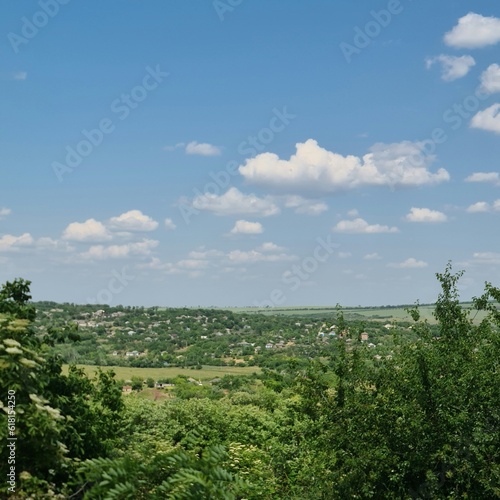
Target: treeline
{"type": "Point", "coordinates": [422, 422]}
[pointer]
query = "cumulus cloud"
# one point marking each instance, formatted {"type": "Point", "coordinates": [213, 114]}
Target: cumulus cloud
{"type": "Point", "coordinates": [169, 224]}
{"type": "Point", "coordinates": [490, 79]}
{"type": "Point", "coordinates": [177, 146]}
{"type": "Point", "coordinates": [4, 212]}
{"type": "Point", "coordinates": [47, 243]}
{"type": "Point", "coordinates": [487, 119]}
{"type": "Point", "coordinates": [425, 215]}
{"type": "Point", "coordinates": [90, 230]}
{"type": "Point", "coordinates": [486, 257]}
{"type": "Point", "coordinates": [251, 256]}
{"type": "Point", "coordinates": [205, 254]}
{"type": "Point", "coordinates": [480, 206]}
{"type": "Point", "coordinates": [101, 252]}
{"type": "Point", "coordinates": [193, 264]}
{"type": "Point", "coordinates": [492, 177]}
{"type": "Point", "coordinates": [483, 206]}
{"type": "Point", "coordinates": [133, 220]}
{"type": "Point", "coordinates": [410, 263]}
{"type": "Point", "coordinates": [452, 67]}
{"type": "Point", "coordinates": [246, 227]}
{"type": "Point", "coordinates": [11, 243]}
{"type": "Point", "coordinates": [372, 256]}
{"type": "Point", "coordinates": [234, 202]}
{"type": "Point", "coordinates": [361, 226]}
{"type": "Point", "coordinates": [305, 206]}
{"type": "Point", "coordinates": [270, 247]}
{"type": "Point", "coordinates": [202, 149]}
{"type": "Point", "coordinates": [474, 31]}
{"type": "Point", "coordinates": [314, 169]}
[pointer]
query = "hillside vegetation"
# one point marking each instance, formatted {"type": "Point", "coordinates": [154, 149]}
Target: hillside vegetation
{"type": "Point", "coordinates": [329, 407]}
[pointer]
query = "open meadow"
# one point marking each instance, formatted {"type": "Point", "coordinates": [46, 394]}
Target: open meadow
{"type": "Point", "coordinates": [205, 373]}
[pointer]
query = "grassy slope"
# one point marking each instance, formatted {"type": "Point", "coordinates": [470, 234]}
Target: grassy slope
{"type": "Point", "coordinates": [206, 373]}
{"type": "Point", "coordinates": [385, 314]}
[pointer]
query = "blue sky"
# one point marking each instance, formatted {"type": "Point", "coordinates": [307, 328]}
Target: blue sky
{"type": "Point", "coordinates": [237, 152]}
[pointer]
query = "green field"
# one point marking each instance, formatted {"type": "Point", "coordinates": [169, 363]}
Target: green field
{"type": "Point", "coordinates": [206, 373]}
{"type": "Point", "coordinates": [386, 314]}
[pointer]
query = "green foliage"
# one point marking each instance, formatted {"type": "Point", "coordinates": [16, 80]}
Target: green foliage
{"type": "Point", "coordinates": [58, 419]}
{"type": "Point", "coordinates": [14, 300]}
{"type": "Point", "coordinates": [178, 475]}
{"type": "Point", "coordinates": [416, 416]}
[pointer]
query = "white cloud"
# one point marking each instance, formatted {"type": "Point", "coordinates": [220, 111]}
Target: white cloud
{"type": "Point", "coordinates": [101, 252]}
{"type": "Point", "coordinates": [490, 79]}
{"type": "Point", "coordinates": [202, 149]}
{"type": "Point", "coordinates": [305, 206]}
{"type": "Point", "coordinates": [46, 243]}
{"type": "Point", "coordinates": [480, 206]}
{"type": "Point", "coordinates": [353, 213]}
{"type": "Point", "coordinates": [425, 215]}
{"type": "Point", "coordinates": [205, 254]}
{"type": "Point", "coordinates": [483, 206]}
{"type": "Point", "coordinates": [314, 169]}
{"type": "Point", "coordinates": [486, 257]}
{"type": "Point", "coordinates": [193, 264]}
{"type": "Point", "coordinates": [14, 76]}
{"type": "Point", "coordinates": [4, 212]}
{"type": "Point", "coordinates": [245, 227]}
{"type": "Point", "coordinates": [234, 202]}
{"type": "Point", "coordinates": [169, 224]}
{"type": "Point", "coordinates": [173, 148]}
{"type": "Point", "coordinates": [488, 119]}
{"type": "Point", "coordinates": [410, 263]}
{"type": "Point", "coordinates": [474, 31]}
{"type": "Point", "coordinates": [452, 67]}
{"type": "Point", "coordinates": [240, 256]}
{"type": "Point", "coordinates": [133, 220]}
{"type": "Point", "coordinates": [270, 247]}
{"type": "Point", "coordinates": [493, 177]}
{"type": "Point", "coordinates": [372, 256]}
{"type": "Point", "coordinates": [90, 230]}
{"type": "Point", "coordinates": [10, 243]}
{"type": "Point", "coordinates": [361, 226]}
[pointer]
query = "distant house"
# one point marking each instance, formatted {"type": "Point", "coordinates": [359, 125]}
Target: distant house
{"type": "Point", "coordinates": [161, 385]}
{"type": "Point", "coordinates": [127, 388]}
{"type": "Point", "coordinates": [269, 346]}
{"type": "Point", "coordinates": [364, 337]}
